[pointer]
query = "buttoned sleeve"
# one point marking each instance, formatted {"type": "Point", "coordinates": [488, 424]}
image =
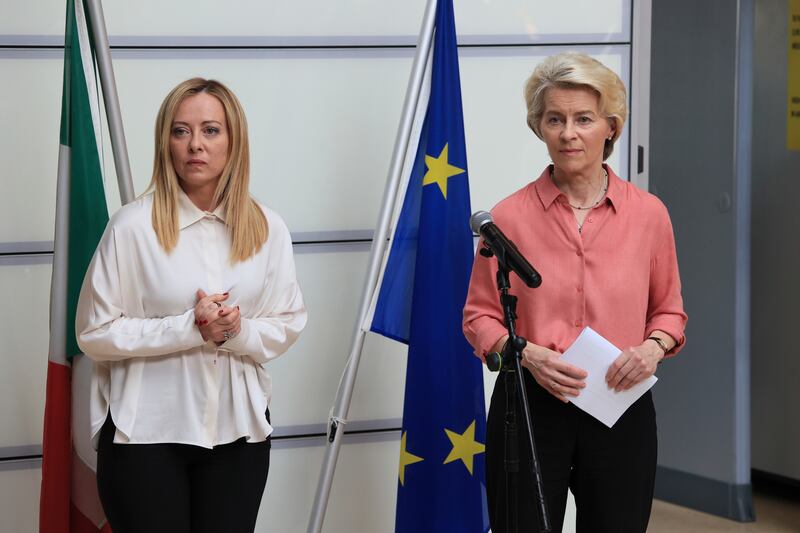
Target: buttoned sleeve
{"type": "Point", "coordinates": [665, 304]}
{"type": "Point", "coordinates": [281, 315]}
{"type": "Point", "coordinates": [104, 328]}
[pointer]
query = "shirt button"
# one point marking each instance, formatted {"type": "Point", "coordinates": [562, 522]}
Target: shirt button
{"type": "Point", "coordinates": [577, 324]}
{"type": "Point", "coordinates": [578, 253]}
{"type": "Point", "coordinates": [590, 221]}
{"type": "Point", "coordinates": [580, 289]}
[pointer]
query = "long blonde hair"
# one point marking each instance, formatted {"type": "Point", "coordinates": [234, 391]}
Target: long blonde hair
{"type": "Point", "coordinates": [243, 216]}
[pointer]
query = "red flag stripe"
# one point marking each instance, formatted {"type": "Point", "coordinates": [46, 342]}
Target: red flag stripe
{"type": "Point", "coordinates": [54, 510]}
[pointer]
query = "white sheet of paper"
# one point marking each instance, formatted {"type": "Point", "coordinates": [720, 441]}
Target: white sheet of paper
{"type": "Point", "coordinates": [593, 353]}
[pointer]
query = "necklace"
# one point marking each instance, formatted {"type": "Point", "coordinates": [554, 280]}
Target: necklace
{"type": "Point", "coordinates": [599, 196]}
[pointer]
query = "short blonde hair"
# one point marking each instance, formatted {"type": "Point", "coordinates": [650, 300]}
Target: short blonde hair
{"type": "Point", "coordinates": [243, 216]}
{"type": "Point", "coordinates": [575, 70]}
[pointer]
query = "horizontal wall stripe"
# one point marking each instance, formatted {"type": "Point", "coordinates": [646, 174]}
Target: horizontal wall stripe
{"type": "Point", "coordinates": [12, 459]}
{"type": "Point", "coordinates": [161, 52]}
{"type": "Point", "coordinates": [337, 41]}
{"type": "Point", "coordinates": [41, 252]}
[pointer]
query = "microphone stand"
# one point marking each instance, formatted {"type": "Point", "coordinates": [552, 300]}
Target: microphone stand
{"type": "Point", "coordinates": [509, 364]}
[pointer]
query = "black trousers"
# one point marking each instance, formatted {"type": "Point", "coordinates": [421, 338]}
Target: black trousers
{"type": "Point", "coordinates": [180, 488]}
{"type": "Point", "coordinates": [611, 471]}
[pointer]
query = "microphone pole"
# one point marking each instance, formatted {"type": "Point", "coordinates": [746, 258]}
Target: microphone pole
{"type": "Point", "coordinates": [509, 363]}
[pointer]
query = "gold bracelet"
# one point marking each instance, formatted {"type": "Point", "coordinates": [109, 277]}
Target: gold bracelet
{"type": "Point", "coordinates": [659, 342]}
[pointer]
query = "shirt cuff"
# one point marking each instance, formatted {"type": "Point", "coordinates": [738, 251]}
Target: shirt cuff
{"type": "Point", "coordinates": [238, 344]}
{"type": "Point", "coordinates": [674, 331]}
{"type": "Point", "coordinates": [190, 332]}
{"type": "Point", "coordinates": [488, 337]}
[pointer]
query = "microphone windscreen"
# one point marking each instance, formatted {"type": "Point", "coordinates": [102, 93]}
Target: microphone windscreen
{"type": "Point", "coordinates": [478, 219]}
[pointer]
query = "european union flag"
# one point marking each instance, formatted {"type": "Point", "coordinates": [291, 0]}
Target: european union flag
{"type": "Point", "coordinates": [441, 475]}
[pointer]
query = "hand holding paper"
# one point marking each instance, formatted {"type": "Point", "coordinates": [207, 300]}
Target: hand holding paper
{"type": "Point", "coordinates": [595, 354]}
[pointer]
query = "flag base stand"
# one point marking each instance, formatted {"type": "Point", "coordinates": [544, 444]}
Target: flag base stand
{"type": "Point", "coordinates": [510, 365]}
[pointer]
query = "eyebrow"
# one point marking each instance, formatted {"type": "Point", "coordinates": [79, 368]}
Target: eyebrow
{"type": "Point", "coordinates": [176, 122]}
{"type": "Point", "coordinates": [584, 112]}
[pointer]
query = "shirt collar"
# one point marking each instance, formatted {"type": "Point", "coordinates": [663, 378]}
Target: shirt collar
{"type": "Point", "coordinates": [548, 192]}
{"type": "Point", "coordinates": [188, 213]}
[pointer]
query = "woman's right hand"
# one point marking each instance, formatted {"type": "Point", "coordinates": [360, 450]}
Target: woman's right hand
{"type": "Point", "coordinates": [557, 377]}
{"type": "Point", "coordinates": [207, 308]}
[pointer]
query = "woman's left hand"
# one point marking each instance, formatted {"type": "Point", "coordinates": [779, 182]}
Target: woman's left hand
{"type": "Point", "coordinates": [633, 365]}
{"type": "Point", "coordinates": [224, 326]}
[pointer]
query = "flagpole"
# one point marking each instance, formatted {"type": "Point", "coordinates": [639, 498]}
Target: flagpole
{"type": "Point", "coordinates": [379, 244]}
{"type": "Point", "coordinates": [118, 146]}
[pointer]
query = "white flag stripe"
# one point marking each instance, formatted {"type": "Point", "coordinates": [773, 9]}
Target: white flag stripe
{"type": "Point", "coordinates": [87, 64]}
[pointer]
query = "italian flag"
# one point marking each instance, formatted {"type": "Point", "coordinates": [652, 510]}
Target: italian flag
{"type": "Point", "coordinates": [69, 502]}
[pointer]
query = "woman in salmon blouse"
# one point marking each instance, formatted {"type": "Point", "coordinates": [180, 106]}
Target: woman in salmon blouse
{"type": "Point", "coordinates": [606, 253]}
{"type": "Point", "coordinates": [191, 292]}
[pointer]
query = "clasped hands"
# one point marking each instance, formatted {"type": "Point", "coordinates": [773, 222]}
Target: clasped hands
{"type": "Point", "coordinates": [562, 379]}
{"type": "Point", "coordinates": [216, 321]}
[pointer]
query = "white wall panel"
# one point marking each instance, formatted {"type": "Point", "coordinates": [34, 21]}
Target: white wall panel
{"type": "Point", "coordinates": [31, 108]}
{"type": "Point", "coordinates": [23, 352]}
{"type": "Point", "coordinates": [362, 498]}
{"type": "Point", "coordinates": [19, 497]}
{"type": "Point", "coordinates": [363, 495]}
{"type": "Point", "coordinates": [364, 489]}
{"type": "Point", "coordinates": [322, 126]}
{"type": "Point", "coordinates": [305, 378]}
{"type": "Point", "coordinates": [320, 21]}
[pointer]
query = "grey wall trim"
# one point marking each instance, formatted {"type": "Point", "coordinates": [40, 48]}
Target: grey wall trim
{"type": "Point", "coordinates": [387, 424]}
{"type": "Point", "coordinates": [332, 247]}
{"type": "Point", "coordinates": [332, 236]}
{"type": "Point", "coordinates": [41, 252]}
{"type": "Point", "coordinates": [20, 451]}
{"type": "Point", "coordinates": [324, 41]}
{"type": "Point", "coordinates": [20, 464]}
{"type": "Point", "coordinates": [26, 259]}
{"type": "Point", "coordinates": [388, 435]}
{"type": "Point", "coordinates": [727, 500]}
{"type": "Point", "coordinates": [348, 438]}
{"type": "Point", "coordinates": [742, 186]}
{"type": "Point", "coordinates": [26, 247]}
{"type": "Point", "coordinates": [300, 435]}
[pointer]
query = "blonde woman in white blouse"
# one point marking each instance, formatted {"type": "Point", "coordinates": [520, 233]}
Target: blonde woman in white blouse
{"type": "Point", "coordinates": [191, 291]}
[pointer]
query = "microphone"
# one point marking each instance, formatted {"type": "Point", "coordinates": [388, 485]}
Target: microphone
{"type": "Point", "coordinates": [504, 249]}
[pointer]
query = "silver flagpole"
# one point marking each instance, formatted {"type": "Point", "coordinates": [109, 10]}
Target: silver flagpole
{"type": "Point", "coordinates": [379, 244]}
{"type": "Point", "coordinates": [121, 163]}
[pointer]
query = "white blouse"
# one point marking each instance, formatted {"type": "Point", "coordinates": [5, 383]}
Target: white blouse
{"type": "Point", "coordinates": [135, 319]}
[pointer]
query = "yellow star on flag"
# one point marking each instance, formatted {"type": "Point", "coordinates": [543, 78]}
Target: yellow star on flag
{"type": "Point", "coordinates": [406, 458]}
{"type": "Point", "coordinates": [439, 170]}
{"type": "Point", "coordinates": [464, 446]}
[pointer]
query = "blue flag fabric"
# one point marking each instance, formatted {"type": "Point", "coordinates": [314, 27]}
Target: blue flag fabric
{"type": "Point", "coordinates": [441, 473]}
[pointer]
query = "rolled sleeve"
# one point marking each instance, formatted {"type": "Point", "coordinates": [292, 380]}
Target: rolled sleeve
{"type": "Point", "coordinates": [665, 305]}
{"type": "Point", "coordinates": [483, 319]}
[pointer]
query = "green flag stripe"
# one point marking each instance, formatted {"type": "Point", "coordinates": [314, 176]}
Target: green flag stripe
{"type": "Point", "coordinates": [88, 213]}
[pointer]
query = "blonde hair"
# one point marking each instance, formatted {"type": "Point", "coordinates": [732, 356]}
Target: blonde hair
{"type": "Point", "coordinates": [243, 216]}
{"type": "Point", "coordinates": [575, 70]}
